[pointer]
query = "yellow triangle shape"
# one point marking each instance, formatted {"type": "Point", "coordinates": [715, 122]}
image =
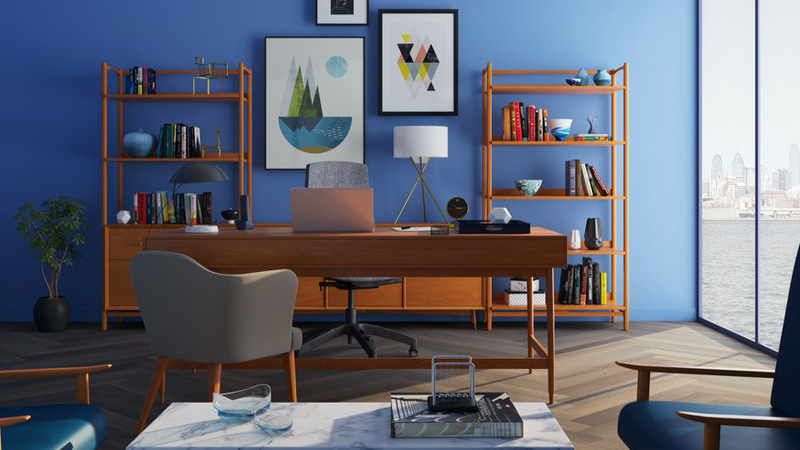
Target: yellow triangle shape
{"type": "Point", "coordinates": [423, 68]}
{"type": "Point", "coordinates": [405, 37]}
{"type": "Point", "coordinates": [404, 69]}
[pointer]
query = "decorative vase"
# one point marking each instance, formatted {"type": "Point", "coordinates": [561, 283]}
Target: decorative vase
{"type": "Point", "coordinates": [602, 78]}
{"type": "Point", "coordinates": [575, 239]}
{"type": "Point", "coordinates": [560, 128]}
{"type": "Point", "coordinates": [51, 314]}
{"type": "Point", "coordinates": [593, 235]}
{"type": "Point", "coordinates": [584, 77]}
{"type": "Point", "coordinates": [139, 144]}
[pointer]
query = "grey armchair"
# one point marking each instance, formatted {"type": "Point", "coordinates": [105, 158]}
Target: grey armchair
{"type": "Point", "coordinates": [345, 174]}
{"type": "Point", "coordinates": [191, 313]}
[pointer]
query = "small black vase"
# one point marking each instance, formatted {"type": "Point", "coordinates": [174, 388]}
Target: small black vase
{"type": "Point", "coordinates": [51, 314]}
{"type": "Point", "coordinates": [593, 236]}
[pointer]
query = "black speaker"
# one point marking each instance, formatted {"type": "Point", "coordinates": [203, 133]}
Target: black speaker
{"type": "Point", "coordinates": [244, 222]}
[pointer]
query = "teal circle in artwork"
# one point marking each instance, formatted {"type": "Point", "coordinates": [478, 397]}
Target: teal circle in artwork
{"type": "Point", "coordinates": [336, 66]}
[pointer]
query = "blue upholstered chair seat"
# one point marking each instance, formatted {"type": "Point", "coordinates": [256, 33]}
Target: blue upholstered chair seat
{"type": "Point", "coordinates": [653, 425]}
{"type": "Point", "coordinates": [56, 427]}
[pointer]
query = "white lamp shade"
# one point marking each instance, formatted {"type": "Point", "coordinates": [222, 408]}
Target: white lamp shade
{"type": "Point", "coordinates": [420, 142]}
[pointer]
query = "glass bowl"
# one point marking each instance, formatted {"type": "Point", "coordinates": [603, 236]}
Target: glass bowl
{"type": "Point", "coordinates": [243, 405]}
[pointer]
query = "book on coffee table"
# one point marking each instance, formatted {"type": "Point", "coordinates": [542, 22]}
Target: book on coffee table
{"type": "Point", "coordinates": [496, 418]}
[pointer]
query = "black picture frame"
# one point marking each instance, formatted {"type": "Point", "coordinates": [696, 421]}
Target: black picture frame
{"type": "Point", "coordinates": [361, 155]}
{"type": "Point", "coordinates": [336, 20]}
{"type": "Point", "coordinates": [385, 106]}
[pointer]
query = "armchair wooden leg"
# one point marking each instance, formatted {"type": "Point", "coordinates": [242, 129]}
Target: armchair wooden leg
{"type": "Point", "coordinates": [643, 386]}
{"type": "Point", "coordinates": [711, 436]}
{"type": "Point", "coordinates": [82, 388]}
{"type": "Point", "coordinates": [474, 320]}
{"type": "Point", "coordinates": [162, 391]}
{"type": "Point", "coordinates": [155, 381]}
{"type": "Point", "coordinates": [289, 372]}
{"type": "Point", "coordinates": [214, 379]}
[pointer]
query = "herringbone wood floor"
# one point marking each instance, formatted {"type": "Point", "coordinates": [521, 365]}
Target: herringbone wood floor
{"type": "Point", "coordinates": [590, 389]}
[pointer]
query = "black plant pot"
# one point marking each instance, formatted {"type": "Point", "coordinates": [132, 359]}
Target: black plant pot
{"type": "Point", "coordinates": [51, 314]}
{"type": "Point", "coordinates": [593, 235]}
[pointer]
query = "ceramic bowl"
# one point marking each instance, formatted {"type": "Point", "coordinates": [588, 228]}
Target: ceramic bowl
{"type": "Point", "coordinates": [244, 405]}
{"type": "Point", "coordinates": [559, 128]}
{"type": "Point", "coordinates": [573, 81]}
{"type": "Point", "coordinates": [528, 187]}
{"type": "Point", "coordinates": [230, 214]}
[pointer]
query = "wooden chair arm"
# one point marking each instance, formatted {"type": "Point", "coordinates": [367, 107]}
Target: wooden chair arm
{"type": "Point", "coordinates": [8, 421]}
{"type": "Point", "coordinates": [52, 371]}
{"type": "Point", "coordinates": [643, 386]}
{"type": "Point", "coordinates": [81, 375]}
{"type": "Point", "coordinates": [713, 422]}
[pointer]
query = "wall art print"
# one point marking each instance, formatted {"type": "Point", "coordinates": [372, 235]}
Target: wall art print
{"type": "Point", "coordinates": [342, 12]}
{"type": "Point", "coordinates": [418, 64]}
{"type": "Point", "coordinates": [314, 100]}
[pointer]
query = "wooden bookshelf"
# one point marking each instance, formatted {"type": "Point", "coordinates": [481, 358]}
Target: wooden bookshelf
{"type": "Point", "coordinates": [500, 82]}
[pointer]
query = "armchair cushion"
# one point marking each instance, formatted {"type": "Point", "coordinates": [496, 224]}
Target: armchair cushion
{"type": "Point", "coordinates": [297, 339]}
{"type": "Point", "coordinates": [72, 426]}
{"type": "Point", "coordinates": [654, 425]}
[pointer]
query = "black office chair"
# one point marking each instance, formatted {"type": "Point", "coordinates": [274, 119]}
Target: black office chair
{"type": "Point", "coordinates": [343, 174]}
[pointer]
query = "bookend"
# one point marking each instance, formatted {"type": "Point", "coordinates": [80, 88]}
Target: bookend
{"type": "Point", "coordinates": [446, 393]}
{"type": "Point", "coordinates": [244, 222]}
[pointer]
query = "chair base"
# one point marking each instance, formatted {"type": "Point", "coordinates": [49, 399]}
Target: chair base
{"type": "Point", "coordinates": [361, 332]}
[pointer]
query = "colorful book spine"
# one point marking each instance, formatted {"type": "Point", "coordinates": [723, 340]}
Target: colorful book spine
{"type": "Point", "coordinates": [600, 185]}
{"type": "Point", "coordinates": [603, 289]}
{"type": "Point", "coordinates": [517, 123]}
{"type": "Point", "coordinates": [545, 126]}
{"type": "Point", "coordinates": [506, 123]}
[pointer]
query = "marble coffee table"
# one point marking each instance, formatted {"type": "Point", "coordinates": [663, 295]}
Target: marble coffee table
{"type": "Point", "coordinates": [329, 426]}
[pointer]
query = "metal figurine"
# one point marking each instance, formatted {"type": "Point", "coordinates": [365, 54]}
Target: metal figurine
{"type": "Point", "coordinates": [591, 124]}
{"type": "Point", "coordinates": [210, 72]}
{"type": "Point", "coordinates": [217, 147]}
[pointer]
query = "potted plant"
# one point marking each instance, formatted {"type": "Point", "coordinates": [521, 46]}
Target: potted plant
{"type": "Point", "coordinates": [53, 233]}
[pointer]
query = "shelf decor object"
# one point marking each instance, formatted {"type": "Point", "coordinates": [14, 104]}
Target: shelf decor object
{"type": "Point", "coordinates": [593, 235]}
{"type": "Point", "coordinates": [419, 144]}
{"type": "Point", "coordinates": [342, 12]}
{"type": "Point", "coordinates": [139, 144]}
{"type": "Point", "coordinates": [314, 100]}
{"type": "Point", "coordinates": [208, 72]}
{"type": "Point", "coordinates": [418, 62]}
{"type": "Point", "coordinates": [608, 153]}
{"type": "Point", "coordinates": [122, 241]}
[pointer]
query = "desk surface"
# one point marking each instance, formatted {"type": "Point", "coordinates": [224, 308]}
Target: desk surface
{"type": "Point", "coordinates": [381, 253]}
{"type": "Point", "coordinates": [329, 426]}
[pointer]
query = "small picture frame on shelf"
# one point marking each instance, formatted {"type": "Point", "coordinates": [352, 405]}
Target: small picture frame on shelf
{"type": "Point", "coordinates": [418, 62]}
{"type": "Point", "coordinates": [342, 12]}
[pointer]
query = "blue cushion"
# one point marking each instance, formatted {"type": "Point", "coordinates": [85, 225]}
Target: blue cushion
{"type": "Point", "coordinates": [655, 426]}
{"type": "Point", "coordinates": [56, 427]}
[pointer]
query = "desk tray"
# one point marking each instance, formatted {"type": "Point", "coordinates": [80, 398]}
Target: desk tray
{"type": "Point", "coordinates": [487, 227]}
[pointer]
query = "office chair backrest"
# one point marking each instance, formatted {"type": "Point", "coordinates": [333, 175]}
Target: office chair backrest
{"type": "Point", "coordinates": [786, 386]}
{"type": "Point", "coordinates": [336, 174]}
{"type": "Point", "coordinates": [192, 313]}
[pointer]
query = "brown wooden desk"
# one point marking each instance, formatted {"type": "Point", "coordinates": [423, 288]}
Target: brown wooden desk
{"type": "Point", "coordinates": [384, 253]}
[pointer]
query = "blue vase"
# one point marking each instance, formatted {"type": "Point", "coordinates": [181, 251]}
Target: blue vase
{"type": "Point", "coordinates": [583, 76]}
{"type": "Point", "coordinates": [139, 144]}
{"type": "Point", "coordinates": [602, 78]}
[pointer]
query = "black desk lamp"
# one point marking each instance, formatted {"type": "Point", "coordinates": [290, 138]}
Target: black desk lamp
{"type": "Point", "coordinates": [197, 173]}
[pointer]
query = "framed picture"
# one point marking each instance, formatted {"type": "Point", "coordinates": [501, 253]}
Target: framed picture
{"type": "Point", "coordinates": [314, 88]}
{"type": "Point", "coordinates": [342, 12]}
{"type": "Point", "coordinates": [418, 62]}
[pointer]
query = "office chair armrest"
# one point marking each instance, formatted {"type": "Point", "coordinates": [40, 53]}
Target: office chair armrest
{"type": "Point", "coordinates": [8, 421]}
{"type": "Point", "coordinates": [81, 375]}
{"type": "Point", "coordinates": [643, 386]}
{"type": "Point", "coordinates": [713, 422]}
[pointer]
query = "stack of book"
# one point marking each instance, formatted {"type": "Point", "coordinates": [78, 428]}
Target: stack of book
{"type": "Point", "coordinates": [496, 418]}
{"type": "Point", "coordinates": [590, 137]}
{"type": "Point", "coordinates": [583, 284]}
{"type": "Point", "coordinates": [517, 293]}
{"type": "Point", "coordinates": [162, 207]}
{"type": "Point", "coordinates": [176, 140]}
{"type": "Point", "coordinates": [140, 81]}
{"type": "Point", "coordinates": [583, 179]}
{"type": "Point", "coordinates": [521, 123]}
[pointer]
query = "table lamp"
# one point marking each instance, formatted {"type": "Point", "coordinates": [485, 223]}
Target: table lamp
{"type": "Point", "coordinates": [420, 144]}
{"type": "Point", "coordinates": [197, 173]}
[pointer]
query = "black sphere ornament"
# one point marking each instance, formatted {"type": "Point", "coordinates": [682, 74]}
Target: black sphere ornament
{"type": "Point", "coordinates": [593, 236]}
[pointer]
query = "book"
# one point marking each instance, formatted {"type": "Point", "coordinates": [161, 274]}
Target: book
{"type": "Point", "coordinates": [539, 124]}
{"type": "Point", "coordinates": [576, 284]}
{"type": "Point", "coordinates": [590, 137]}
{"type": "Point", "coordinates": [531, 123]}
{"type": "Point", "coordinates": [512, 298]}
{"type": "Point", "coordinates": [562, 283]}
{"type": "Point", "coordinates": [545, 126]}
{"type": "Point", "coordinates": [496, 417]}
{"type": "Point", "coordinates": [521, 284]}
{"type": "Point", "coordinates": [596, 282]}
{"type": "Point", "coordinates": [587, 187]}
{"type": "Point", "coordinates": [603, 290]}
{"type": "Point", "coordinates": [513, 122]}
{"type": "Point", "coordinates": [600, 185]}
{"type": "Point", "coordinates": [582, 270]}
{"type": "Point", "coordinates": [587, 264]}
{"type": "Point", "coordinates": [523, 120]}
{"type": "Point", "coordinates": [506, 123]}
{"type": "Point", "coordinates": [517, 124]}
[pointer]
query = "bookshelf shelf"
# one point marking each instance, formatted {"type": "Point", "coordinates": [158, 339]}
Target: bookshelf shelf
{"type": "Point", "coordinates": [617, 148]}
{"type": "Point", "coordinates": [121, 242]}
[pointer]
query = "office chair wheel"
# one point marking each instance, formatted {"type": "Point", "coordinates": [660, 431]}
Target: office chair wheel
{"type": "Point", "coordinates": [412, 352]}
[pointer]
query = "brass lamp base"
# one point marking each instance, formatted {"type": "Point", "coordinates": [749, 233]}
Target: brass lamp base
{"type": "Point", "coordinates": [420, 169]}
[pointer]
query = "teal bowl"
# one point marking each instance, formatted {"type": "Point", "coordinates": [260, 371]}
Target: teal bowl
{"type": "Point", "coordinates": [528, 187]}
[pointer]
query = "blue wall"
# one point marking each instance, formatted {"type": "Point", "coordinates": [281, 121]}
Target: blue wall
{"type": "Point", "coordinates": [51, 119]}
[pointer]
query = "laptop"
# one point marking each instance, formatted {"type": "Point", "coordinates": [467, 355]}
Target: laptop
{"type": "Point", "coordinates": [332, 209]}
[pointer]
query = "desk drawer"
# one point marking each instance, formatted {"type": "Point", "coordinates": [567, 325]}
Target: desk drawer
{"type": "Point", "coordinates": [120, 286]}
{"type": "Point", "coordinates": [443, 292]}
{"type": "Point", "coordinates": [308, 293]}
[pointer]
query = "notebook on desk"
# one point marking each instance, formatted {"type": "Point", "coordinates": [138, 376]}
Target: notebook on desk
{"type": "Point", "coordinates": [332, 209]}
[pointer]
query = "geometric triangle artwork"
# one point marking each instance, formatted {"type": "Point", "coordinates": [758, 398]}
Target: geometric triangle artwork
{"type": "Point", "coordinates": [417, 63]}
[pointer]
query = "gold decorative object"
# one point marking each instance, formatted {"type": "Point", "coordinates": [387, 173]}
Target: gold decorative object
{"type": "Point", "coordinates": [217, 147]}
{"type": "Point", "coordinates": [210, 71]}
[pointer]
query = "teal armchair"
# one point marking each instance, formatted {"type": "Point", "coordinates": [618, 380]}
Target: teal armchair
{"type": "Point", "coordinates": [74, 426]}
{"type": "Point", "coordinates": [657, 425]}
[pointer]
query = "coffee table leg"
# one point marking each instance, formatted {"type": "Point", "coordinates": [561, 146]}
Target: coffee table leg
{"type": "Point", "coordinates": [551, 335]}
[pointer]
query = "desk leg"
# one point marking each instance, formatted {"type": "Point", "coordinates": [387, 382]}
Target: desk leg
{"type": "Point", "coordinates": [551, 335]}
{"type": "Point", "coordinates": [530, 319]}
